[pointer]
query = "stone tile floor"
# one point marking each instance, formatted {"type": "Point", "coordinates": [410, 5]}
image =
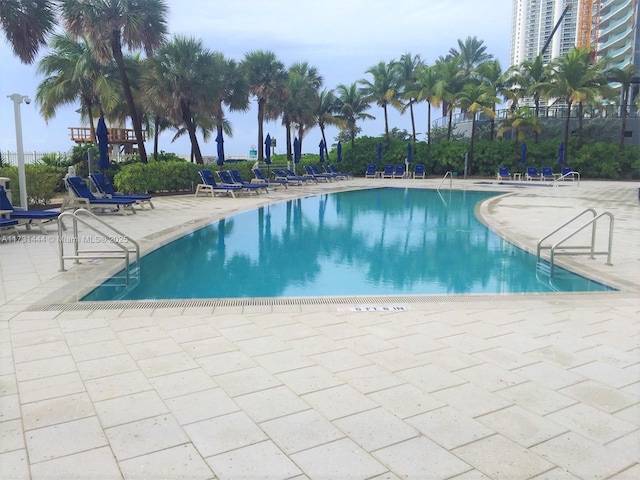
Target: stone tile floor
{"type": "Point", "coordinates": [504, 387]}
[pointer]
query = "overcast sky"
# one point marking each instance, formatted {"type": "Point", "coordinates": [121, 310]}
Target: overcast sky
{"type": "Point", "coordinates": [341, 38]}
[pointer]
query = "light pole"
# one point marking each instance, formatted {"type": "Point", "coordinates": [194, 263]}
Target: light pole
{"type": "Point", "coordinates": [22, 181]}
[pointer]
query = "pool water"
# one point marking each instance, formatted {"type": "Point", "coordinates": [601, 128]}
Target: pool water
{"type": "Point", "coordinates": [384, 241]}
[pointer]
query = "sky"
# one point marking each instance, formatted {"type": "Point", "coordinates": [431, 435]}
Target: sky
{"type": "Point", "coordinates": [341, 38]}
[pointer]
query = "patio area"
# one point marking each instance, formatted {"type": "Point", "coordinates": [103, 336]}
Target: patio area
{"type": "Point", "coordinates": [488, 386]}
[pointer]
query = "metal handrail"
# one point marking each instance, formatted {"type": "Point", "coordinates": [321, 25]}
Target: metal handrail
{"type": "Point", "coordinates": [562, 177]}
{"type": "Point", "coordinates": [450, 175]}
{"type": "Point", "coordinates": [539, 245]}
{"type": "Point", "coordinates": [112, 239]}
{"type": "Point", "coordinates": [591, 222]}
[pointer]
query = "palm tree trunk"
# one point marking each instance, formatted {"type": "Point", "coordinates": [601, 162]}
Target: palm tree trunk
{"type": "Point", "coordinates": [537, 103]}
{"type": "Point", "coordinates": [386, 123]}
{"type": "Point", "coordinates": [324, 139]}
{"type": "Point", "coordinates": [116, 49]}
{"type": "Point", "coordinates": [287, 124]}
{"type": "Point", "coordinates": [493, 122]}
{"type": "Point", "coordinates": [261, 102]}
{"type": "Point", "coordinates": [623, 113]}
{"type": "Point", "coordinates": [473, 137]}
{"type": "Point", "coordinates": [566, 133]}
{"type": "Point", "coordinates": [450, 123]}
{"type": "Point", "coordinates": [413, 121]}
{"type": "Point", "coordinates": [156, 134]}
{"type": "Point", "coordinates": [428, 123]}
{"type": "Point", "coordinates": [187, 118]}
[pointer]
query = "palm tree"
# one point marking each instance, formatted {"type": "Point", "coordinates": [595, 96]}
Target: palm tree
{"type": "Point", "coordinates": [110, 25]}
{"type": "Point", "coordinates": [351, 106]}
{"type": "Point", "coordinates": [383, 89]}
{"type": "Point", "coordinates": [73, 74]}
{"type": "Point", "coordinates": [574, 79]}
{"type": "Point", "coordinates": [475, 99]}
{"type": "Point", "coordinates": [325, 113]}
{"type": "Point", "coordinates": [527, 80]}
{"type": "Point", "coordinates": [266, 78]}
{"type": "Point", "coordinates": [302, 101]}
{"type": "Point", "coordinates": [407, 68]}
{"type": "Point", "coordinates": [26, 25]}
{"type": "Point", "coordinates": [451, 84]}
{"type": "Point", "coordinates": [471, 52]}
{"type": "Point", "coordinates": [522, 122]}
{"type": "Point", "coordinates": [625, 77]}
{"type": "Point", "coordinates": [492, 76]}
{"type": "Point", "coordinates": [429, 89]}
{"type": "Point", "coordinates": [182, 76]}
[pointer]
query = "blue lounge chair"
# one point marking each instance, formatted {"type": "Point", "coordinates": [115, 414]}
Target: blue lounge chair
{"type": "Point", "coordinates": [418, 171]}
{"type": "Point", "coordinates": [399, 171]}
{"type": "Point", "coordinates": [26, 217]}
{"type": "Point", "coordinates": [388, 171]}
{"type": "Point", "coordinates": [371, 171]}
{"type": "Point", "coordinates": [209, 185]}
{"type": "Point", "coordinates": [293, 177]}
{"type": "Point", "coordinates": [504, 174]}
{"type": "Point", "coordinates": [569, 173]}
{"type": "Point", "coordinates": [237, 177]}
{"type": "Point", "coordinates": [532, 174]}
{"type": "Point", "coordinates": [335, 175]}
{"type": "Point", "coordinates": [345, 175]}
{"type": "Point", "coordinates": [276, 182]}
{"type": "Point", "coordinates": [547, 174]}
{"type": "Point", "coordinates": [83, 197]}
{"type": "Point", "coordinates": [312, 171]}
{"type": "Point", "coordinates": [228, 181]}
{"type": "Point", "coordinates": [105, 188]}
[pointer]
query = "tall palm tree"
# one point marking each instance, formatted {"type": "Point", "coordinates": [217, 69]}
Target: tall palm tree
{"type": "Point", "coordinates": [384, 89]}
{"type": "Point", "coordinates": [428, 88]}
{"type": "Point", "coordinates": [475, 99]}
{"type": "Point", "coordinates": [110, 25]}
{"type": "Point", "coordinates": [71, 74]}
{"type": "Point", "coordinates": [352, 106]}
{"type": "Point", "coordinates": [471, 52]}
{"type": "Point", "coordinates": [326, 111]}
{"type": "Point", "coordinates": [408, 67]}
{"type": "Point", "coordinates": [182, 75]}
{"type": "Point", "coordinates": [26, 25]}
{"type": "Point", "coordinates": [303, 85]}
{"type": "Point", "coordinates": [574, 79]}
{"type": "Point", "coordinates": [527, 80]}
{"type": "Point", "coordinates": [491, 74]}
{"type": "Point", "coordinates": [266, 78]}
{"type": "Point", "coordinates": [452, 82]}
{"type": "Point", "coordinates": [625, 77]}
{"type": "Point", "coordinates": [522, 122]}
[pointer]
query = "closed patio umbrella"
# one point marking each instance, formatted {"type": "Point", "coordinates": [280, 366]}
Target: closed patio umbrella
{"type": "Point", "coordinates": [523, 152]}
{"type": "Point", "coordinates": [296, 153]}
{"type": "Point", "coordinates": [220, 142]}
{"type": "Point", "coordinates": [321, 145]}
{"type": "Point", "coordinates": [267, 150]}
{"type": "Point", "coordinates": [379, 152]}
{"type": "Point", "coordinates": [561, 153]}
{"type": "Point", "coordinates": [339, 159]}
{"type": "Point", "coordinates": [103, 144]}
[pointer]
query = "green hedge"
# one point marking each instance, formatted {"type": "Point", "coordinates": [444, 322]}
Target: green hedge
{"type": "Point", "coordinates": [43, 183]}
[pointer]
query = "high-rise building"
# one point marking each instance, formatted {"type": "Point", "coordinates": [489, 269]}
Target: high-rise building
{"type": "Point", "coordinates": [532, 26]}
{"type": "Point", "coordinates": [618, 33]}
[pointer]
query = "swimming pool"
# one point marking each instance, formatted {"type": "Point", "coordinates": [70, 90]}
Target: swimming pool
{"type": "Point", "coordinates": [384, 241]}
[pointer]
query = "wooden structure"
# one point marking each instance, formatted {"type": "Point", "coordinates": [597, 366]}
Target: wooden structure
{"type": "Point", "coordinates": [124, 138]}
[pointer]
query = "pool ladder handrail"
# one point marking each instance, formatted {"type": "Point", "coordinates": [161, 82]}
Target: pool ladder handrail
{"type": "Point", "coordinates": [561, 178]}
{"type": "Point", "coordinates": [591, 248]}
{"type": "Point", "coordinates": [450, 175]}
{"type": "Point", "coordinates": [109, 237]}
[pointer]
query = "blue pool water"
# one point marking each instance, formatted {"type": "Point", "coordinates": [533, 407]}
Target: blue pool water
{"type": "Point", "coordinates": [368, 242]}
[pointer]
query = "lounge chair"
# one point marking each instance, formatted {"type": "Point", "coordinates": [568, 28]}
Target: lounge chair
{"type": "Point", "coordinates": [317, 176]}
{"type": "Point", "coordinates": [399, 171]}
{"type": "Point", "coordinates": [83, 197]}
{"type": "Point", "coordinates": [504, 174]}
{"type": "Point", "coordinates": [345, 175]}
{"type": "Point", "coordinates": [8, 226]}
{"type": "Point", "coordinates": [371, 171]}
{"type": "Point", "coordinates": [276, 182]}
{"type": "Point", "coordinates": [237, 177]}
{"type": "Point", "coordinates": [293, 175]}
{"type": "Point", "coordinates": [209, 185]}
{"type": "Point", "coordinates": [418, 171]}
{"type": "Point", "coordinates": [336, 175]}
{"type": "Point", "coordinates": [532, 174]}
{"type": "Point", "coordinates": [569, 174]}
{"type": "Point", "coordinates": [26, 217]}
{"type": "Point", "coordinates": [228, 181]}
{"type": "Point", "coordinates": [289, 176]}
{"type": "Point", "coordinates": [388, 171]}
{"type": "Point", "coordinates": [105, 188]}
{"type": "Point", "coordinates": [547, 174]}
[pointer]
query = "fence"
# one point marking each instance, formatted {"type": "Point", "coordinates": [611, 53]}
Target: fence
{"type": "Point", "coordinates": [11, 158]}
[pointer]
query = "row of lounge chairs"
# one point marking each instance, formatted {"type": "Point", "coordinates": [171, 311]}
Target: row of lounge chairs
{"type": "Point", "coordinates": [231, 181]}
{"type": "Point", "coordinates": [397, 171]}
{"type": "Point", "coordinates": [567, 173]}
{"type": "Point", "coordinates": [12, 218]}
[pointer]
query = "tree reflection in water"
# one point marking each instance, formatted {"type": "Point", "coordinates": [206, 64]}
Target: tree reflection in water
{"type": "Point", "coordinates": [378, 241]}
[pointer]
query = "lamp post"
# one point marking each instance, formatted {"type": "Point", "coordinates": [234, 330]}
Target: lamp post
{"type": "Point", "coordinates": [22, 181]}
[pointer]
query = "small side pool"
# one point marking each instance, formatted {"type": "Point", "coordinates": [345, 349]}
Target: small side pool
{"type": "Point", "coordinates": [385, 241]}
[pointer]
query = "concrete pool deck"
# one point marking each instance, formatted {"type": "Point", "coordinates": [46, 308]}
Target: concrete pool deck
{"type": "Point", "coordinates": [490, 386]}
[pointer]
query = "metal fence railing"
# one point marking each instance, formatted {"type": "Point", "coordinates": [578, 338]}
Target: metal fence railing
{"type": "Point", "coordinates": [11, 158]}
